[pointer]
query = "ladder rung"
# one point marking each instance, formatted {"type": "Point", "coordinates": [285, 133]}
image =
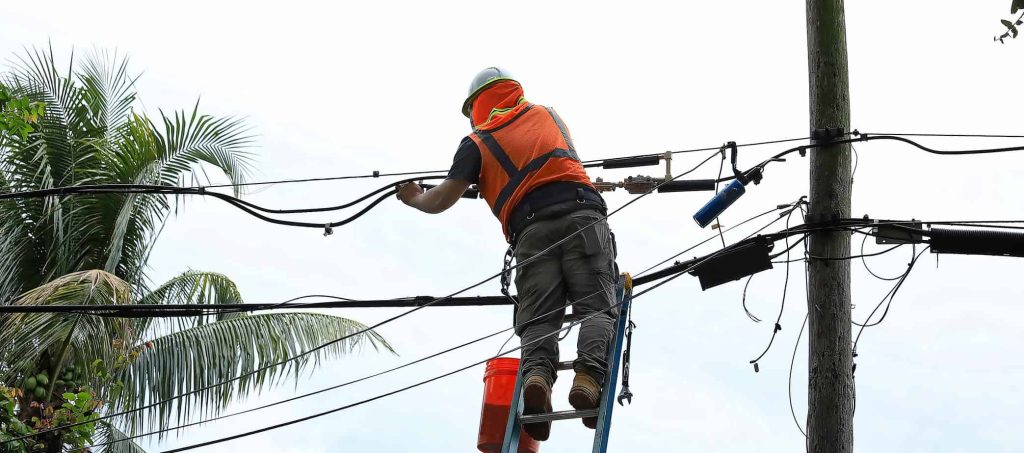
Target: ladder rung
{"type": "Point", "coordinates": [562, 366]}
{"type": "Point", "coordinates": [560, 415]}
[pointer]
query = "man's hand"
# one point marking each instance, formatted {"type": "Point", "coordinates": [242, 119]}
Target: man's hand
{"type": "Point", "coordinates": [408, 193]}
{"type": "Point", "coordinates": [434, 200]}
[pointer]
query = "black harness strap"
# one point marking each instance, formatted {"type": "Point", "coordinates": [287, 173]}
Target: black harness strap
{"type": "Point", "coordinates": [498, 152]}
{"type": "Point", "coordinates": [515, 180]}
{"type": "Point", "coordinates": [516, 176]}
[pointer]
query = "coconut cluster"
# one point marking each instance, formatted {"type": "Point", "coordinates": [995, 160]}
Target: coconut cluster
{"type": "Point", "coordinates": [36, 386]}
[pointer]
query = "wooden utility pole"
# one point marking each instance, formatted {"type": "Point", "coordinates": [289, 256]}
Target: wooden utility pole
{"type": "Point", "coordinates": [830, 371]}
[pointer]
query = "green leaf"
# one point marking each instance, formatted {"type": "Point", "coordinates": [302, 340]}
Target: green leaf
{"type": "Point", "coordinates": [216, 352]}
{"type": "Point", "coordinates": [1016, 6]}
{"type": "Point", "coordinates": [1009, 26]}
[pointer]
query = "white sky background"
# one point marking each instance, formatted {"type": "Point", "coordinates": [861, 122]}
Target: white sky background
{"type": "Point", "coordinates": [348, 88]}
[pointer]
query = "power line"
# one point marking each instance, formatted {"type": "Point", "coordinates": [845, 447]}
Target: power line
{"type": "Point", "coordinates": [393, 318]}
{"type": "Point", "coordinates": [711, 238]}
{"type": "Point", "coordinates": [251, 208]}
{"type": "Point", "coordinates": [395, 368]}
{"type": "Point", "coordinates": [184, 310]}
{"type": "Point", "coordinates": [863, 137]}
{"type": "Point", "coordinates": [953, 135]}
{"type": "Point", "coordinates": [383, 395]}
{"type": "Point", "coordinates": [364, 378]}
{"type": "Point", "coordinates": [375, 174]}
{"type": "Point", "coordinates": [358, 403]}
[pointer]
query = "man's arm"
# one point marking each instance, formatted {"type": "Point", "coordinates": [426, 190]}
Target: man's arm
{"type": "Point", "coordinates": [436, 200]}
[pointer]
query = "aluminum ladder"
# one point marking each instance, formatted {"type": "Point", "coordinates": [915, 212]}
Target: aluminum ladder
{"type": "Point", "coordinates": [623, 293]}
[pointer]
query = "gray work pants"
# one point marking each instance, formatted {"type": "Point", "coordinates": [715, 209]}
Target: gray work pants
{"type": "Point", "coordinates": [582, 271]}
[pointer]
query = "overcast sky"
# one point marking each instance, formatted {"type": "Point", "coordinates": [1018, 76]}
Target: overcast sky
{"type": "Point", "coordinates": [352, 87]}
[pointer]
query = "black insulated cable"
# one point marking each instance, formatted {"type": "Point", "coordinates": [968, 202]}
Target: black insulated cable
{"type": "Point", "coordinates": [393, 318]}
{"type": "Point", "coordinates": [364, 378]}
{"type": "Point", "coordinates": [691, 185]}
{"type": "Point", "coordinates": [338, 207]}
{"type": "Point", "coordinates": [627, 162]}
{"type": "Point", "coordinates": [375, 174]}
{"type": "Point", "coordinates": [418, 384]}
{"type": "Point", "coordinates": [696, 264]}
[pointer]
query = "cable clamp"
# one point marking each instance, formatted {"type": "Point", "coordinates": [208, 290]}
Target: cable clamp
{"type": "Point", "coordinates": [328, 230]}
{"type": "Point", "coordinates": [376, 173]}
{"type": "Point", "coordinates": [819, 220]}
{"type": "Point", "coordinates": [828, 134]}
{"type": "Point", "coordinates": [202, 190]}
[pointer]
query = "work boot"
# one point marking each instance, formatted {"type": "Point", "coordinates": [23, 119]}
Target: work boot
{"type": "Point", "coordinates": [537, 400]}
{"type": "Point", "coordinates": [585, 394]}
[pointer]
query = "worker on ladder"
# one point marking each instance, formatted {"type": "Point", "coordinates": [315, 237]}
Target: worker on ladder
{"type": "Point", "coordinates": [522, 158]}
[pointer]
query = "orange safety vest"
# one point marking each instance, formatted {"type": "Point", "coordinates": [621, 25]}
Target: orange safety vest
{"type": "Point", "coordinates": [529, 150]}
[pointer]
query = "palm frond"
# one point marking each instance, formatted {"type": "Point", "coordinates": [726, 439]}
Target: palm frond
{"type": "Point", "coordinates": [120, 443]}
{"type": "Point", "coordinates": [107, 92]}
{"type": "Point", "coordinates": [191, 287]}
{"type": "Point", "coordinates": [25, 336]}
{"type": "Point", "coordinates": [212, 353]}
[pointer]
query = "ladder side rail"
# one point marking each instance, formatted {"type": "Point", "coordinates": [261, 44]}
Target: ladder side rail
{"type": "Point", "coordinates": [513, 428]}
{"type": "Point", "coordinates": [604, 418]}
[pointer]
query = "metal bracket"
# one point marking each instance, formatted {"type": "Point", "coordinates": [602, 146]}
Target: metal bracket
{"type": "Point", "coordinates": [819, 219]}
{"type": "Point", "coordinates": [668, 165]}
{"type": "Point", "coordinates": [893, 234]}
{"type": "Point", "coordinates": [828, 134]}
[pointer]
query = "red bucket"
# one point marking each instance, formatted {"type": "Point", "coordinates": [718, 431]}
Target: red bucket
{"type": "Point", "coordinates": [499, 383]}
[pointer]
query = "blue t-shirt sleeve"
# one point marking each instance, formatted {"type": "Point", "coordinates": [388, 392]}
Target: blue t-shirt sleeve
{"type": "Point", "coordinates": [466, 165]}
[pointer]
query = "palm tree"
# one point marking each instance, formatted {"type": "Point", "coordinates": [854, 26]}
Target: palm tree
{"type": "Point", "coordinates": [94, 250]}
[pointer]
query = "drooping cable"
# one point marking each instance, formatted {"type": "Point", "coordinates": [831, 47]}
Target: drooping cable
{"type": "Point", "coordinates": [694, 266]}
{"type": "Point", "coordinates": [796, 345]}
{"type": "Point", "coordinates": [251, 208]}
{"type": "Point", "coordinates": [328, 178]}
{"type": "Point", "coordinates": [393, 318]}
{"type": "Point", "coordinates": [745, 310]}
{"type": "Point", "coordinates": [418, 384]}
{"type": "Point", "coordinates": [865, 261]}
{"type": "Point", "coordinates": [710, 238]}
{"type": "Point", "coordinates": [890, 296]}
{"type": "Point", "coordinates": [792, 361]}
{"type": "Point", "coordinates": [782, 304]}
{"type": "Point", "coordinates": [354, 381]}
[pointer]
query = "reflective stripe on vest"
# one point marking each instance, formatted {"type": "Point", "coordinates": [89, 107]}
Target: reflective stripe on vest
{"type": "Point", "coordinates": [526, 152]}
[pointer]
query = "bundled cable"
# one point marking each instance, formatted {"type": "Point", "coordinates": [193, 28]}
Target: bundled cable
{"type": "Point", "coordinates": [388, 320]}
